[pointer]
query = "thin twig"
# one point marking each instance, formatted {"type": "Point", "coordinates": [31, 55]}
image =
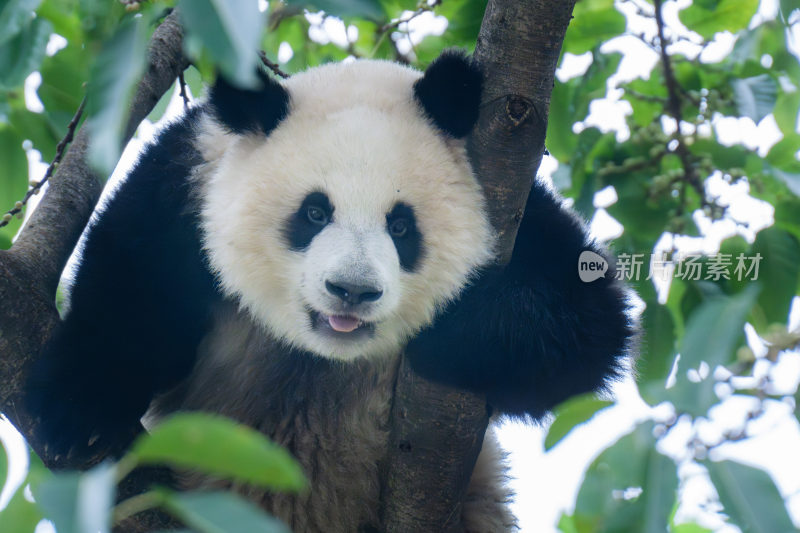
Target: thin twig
{"type": "Point", "coordinates": [272, 65]}
{"type": "Point", "coordinates": [396, 23]}
{"type": "Point", "coordinates": [184, 94]}
{"type": "Point", "coordinates": [61, 149]}
{"type": "Point", "coordinates": [382, 32]}
{"type": "Point", "coordinates": [674, 108]}
{"type": "Point", "coordinates": [645, 97]}
{"type": "Point", "coordinates": [647, 42]}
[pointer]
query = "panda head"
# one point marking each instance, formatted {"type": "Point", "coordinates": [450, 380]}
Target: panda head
{"type": "Point", "coordinates": [339, 206]}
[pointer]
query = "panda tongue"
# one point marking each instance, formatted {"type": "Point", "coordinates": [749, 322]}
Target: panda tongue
{"type": "Point", "coordinates": [344, 324]}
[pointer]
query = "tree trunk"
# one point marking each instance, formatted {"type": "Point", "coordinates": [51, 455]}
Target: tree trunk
{"type": "Point", "coordinates": [436, 431]}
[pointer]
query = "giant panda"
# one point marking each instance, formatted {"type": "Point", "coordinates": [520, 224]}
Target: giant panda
{"type": "Point", "coordinates": [275, 251]}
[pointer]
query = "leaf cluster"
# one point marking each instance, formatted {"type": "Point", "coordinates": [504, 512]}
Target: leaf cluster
{"type": "Point", "coordinates": [209, 444]}
{"type": "Point", "coordinates": [693, 351]}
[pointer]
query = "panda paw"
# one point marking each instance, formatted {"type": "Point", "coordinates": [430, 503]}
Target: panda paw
{"type": "Point", "coordinates": [78, 432]}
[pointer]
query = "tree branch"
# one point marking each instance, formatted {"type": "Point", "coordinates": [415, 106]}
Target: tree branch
{"type": "Point", "coordinates": [30, 270]}
{"type": "Point", "coordinates": [61, 149]}
{"type": "Point", "coordinates": [274, 67]}
{"type": "Point", "coordinates": [674, 106]}
{"type": "Point", "coordinates": [437, 432]}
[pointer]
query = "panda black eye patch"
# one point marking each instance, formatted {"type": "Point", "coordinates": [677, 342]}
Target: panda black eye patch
{"type": "Point", "coordinates": [311, 217]}
{"type": "Point", "coordinates": [401, 225]}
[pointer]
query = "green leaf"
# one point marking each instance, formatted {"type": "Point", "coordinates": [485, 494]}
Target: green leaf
{"type": "Point", "coordinates": [37, 472]}
{"type": "Point", "coordinates": [636, 211]}
{"type": "Point", "coordinates": [631, 463]}
{"type": "Point", "coordinates": [797, 404]}
{"type": "Point", "coordinates": [570, 103]}
{"type": "Point", "coordinates": [566, 524]}
{"type": "Point", "coordinates": [159, 109]}
{"type": "Point", "coordinates": [755, 96]}
{"type": "Point", "coordinates": [230, 31]}
{"type": "Point", "coordinates": [712, 334]}
{"type": "Point", "coordinates": [786, 108]}
{"type": "Point", "coordinates": [658, 351]}
{"type": "Point", "coordinates": [782, 154]}
{"type": "Point", "coordinates": [593, 22]}
{"type": "Point", "coordinates": [15, 15]}
{"type": "Point", "coordinates": [194, 80]}
{"type": "Point", "coordinates": [66, 20]}
{"type": "Point", "coordinates": [723, 157]}
{"type": "Point", "coordinates": [63, 78]}
{"type": "Point", "coordinates": [220, 512]}
{"type": "Point", "coordinates": [13, 179]}
{"type": "Point", "coordinates": [37, 128]}
{"type": "Point", "coordinates": [571, 413]}
{"type": "Point", "coordinates": [464, 21]}
{"type": "Point", "coordinates": [713, 328]}
{"type": "Point", "coordinates": [3, 465]}
{"type": "Point", "coordinates": [779, 272]}
{"type": "Point", "coordinates": [19, 515]}
{"type": "Point", "coordinates": [76, 502]}
{"type": "Point", "coordinates": [750, 498]}
{"type": "Point", "coordinates": [560, 139]}
{"type": "Point", "coordinates": [369, 9]}
{"type": "Point", "coordinates": [219, 446]}
{"type": "Point", "coordinates": [658, 342]}
{"type": "Point", "coordinates": [23, 54]}
{"type": "Point", "coordinates": [115, 73]}
{"type": "Point", "coordinates": [787, 215]}
{"type": "Point", "coordinates": [645, 110]}
{"type": "Point", "coordinates": [689, 528]}
{"type": "Point", "coordinates": [688, 75]}
{"type": "Point", "coordinates": [730, 15]}
{"type": "Point", "coordinates": [789, 6]}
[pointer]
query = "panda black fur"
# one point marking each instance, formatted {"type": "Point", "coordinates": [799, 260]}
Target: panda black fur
{"type": "Point", "coordinates": [275, 250]}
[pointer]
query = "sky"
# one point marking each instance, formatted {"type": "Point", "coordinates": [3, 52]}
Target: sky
{"type": "Point", "coordinates": [546, 483]}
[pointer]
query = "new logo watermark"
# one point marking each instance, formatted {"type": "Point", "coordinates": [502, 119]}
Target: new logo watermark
{"type": "Point", "coordinates": [591, 266]}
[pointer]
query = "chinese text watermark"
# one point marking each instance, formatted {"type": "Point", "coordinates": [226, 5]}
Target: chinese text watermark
{"type": "Point", "coordinates": [690, 267]}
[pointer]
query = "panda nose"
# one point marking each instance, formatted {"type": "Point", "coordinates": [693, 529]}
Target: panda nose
{"type": "Point", "coordinates": [352, 293]}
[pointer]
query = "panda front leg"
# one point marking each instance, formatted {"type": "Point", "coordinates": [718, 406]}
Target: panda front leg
{"type": "Point", "coordinates": [531, 334]}
{"type": "Point", "coordinates": [138, 307]}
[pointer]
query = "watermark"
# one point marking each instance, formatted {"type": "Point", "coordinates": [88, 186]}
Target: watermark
{"type": "Point", "coordinates": [591, 266]}
{"type": "Point", "coordinates": [689, 267]}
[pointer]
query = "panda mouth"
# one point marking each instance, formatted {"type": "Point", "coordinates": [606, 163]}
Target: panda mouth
{"type": "Point", "coordinates": [340, 325]}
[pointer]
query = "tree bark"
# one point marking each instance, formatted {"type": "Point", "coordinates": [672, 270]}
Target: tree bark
{"type": "Point", "coordinates": [30, 270]}
{"type": "Point", "coordinates": [436, 431]}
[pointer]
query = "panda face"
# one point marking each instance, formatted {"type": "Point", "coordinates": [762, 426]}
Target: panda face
{"type": "Point", "coordinates": [345, 228]}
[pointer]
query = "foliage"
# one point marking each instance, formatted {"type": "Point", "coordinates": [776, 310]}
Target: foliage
{"type": "Point", "coordinates": [85, 501]}
{"type": "Point", "coordinates": [660, 174]}
{"type": "Point", "coordinates": [693, 328]}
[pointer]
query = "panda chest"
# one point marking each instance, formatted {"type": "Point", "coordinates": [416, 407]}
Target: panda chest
{"type": "Point", "coordinates": [330, 415]}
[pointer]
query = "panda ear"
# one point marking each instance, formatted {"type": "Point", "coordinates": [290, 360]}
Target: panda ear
{"type": "Point", "coordinates": [450, 92]}
{"type": "Point", "coordinates": [245, 111]}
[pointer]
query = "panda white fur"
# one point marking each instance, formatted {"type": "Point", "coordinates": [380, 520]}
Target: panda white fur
{"type": "Point", "coordinates": [275, 251]}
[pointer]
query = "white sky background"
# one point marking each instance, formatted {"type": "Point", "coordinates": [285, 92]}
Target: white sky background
{"type": "Point", "coordinates": [546, 484]}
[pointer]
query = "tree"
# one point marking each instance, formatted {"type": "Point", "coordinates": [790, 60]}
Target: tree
{"type": "Point", "coordinates": [662, 174]}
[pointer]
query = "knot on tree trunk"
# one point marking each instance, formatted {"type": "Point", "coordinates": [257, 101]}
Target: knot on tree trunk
{"type": "Point", "coordinates": [518, 109]}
